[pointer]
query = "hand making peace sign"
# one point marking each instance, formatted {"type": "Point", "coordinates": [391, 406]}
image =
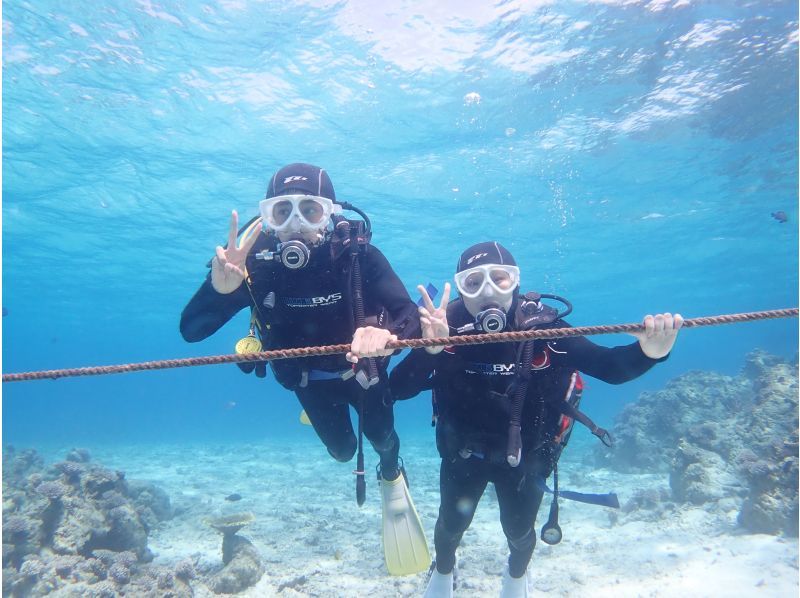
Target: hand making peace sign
{"type": "Point", "coordinates": [228, 266]}
{"type": "Point", "coordinates": [434, 319]}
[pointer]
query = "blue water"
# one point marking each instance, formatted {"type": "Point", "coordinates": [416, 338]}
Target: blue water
{"type": "Point", "coordinates": [629, 153]}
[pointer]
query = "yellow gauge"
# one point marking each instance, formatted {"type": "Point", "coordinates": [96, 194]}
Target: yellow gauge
{"type": "Point", "coordinates": [248, 344]}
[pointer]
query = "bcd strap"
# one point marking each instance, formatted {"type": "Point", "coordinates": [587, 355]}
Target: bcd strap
{"type": "Point", "coordinates": [571, 413]}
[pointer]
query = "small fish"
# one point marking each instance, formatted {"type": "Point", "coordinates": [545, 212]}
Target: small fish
{"type": "Point", "coordinates": [229, 405]}
{"type": "Point", "coordinates": [780, 216]}
{"type": "Point", "coordinates": [5, 311]}
{"type": "Point", "coordinates": [233, 497]}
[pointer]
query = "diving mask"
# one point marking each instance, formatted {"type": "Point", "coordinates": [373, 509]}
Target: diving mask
{"type": "Point", "coordinates": [503, 279]}
{"type": "Point", "coordinates": [488, 293]}
{"type": "Point", "coordinates": [297, 213]}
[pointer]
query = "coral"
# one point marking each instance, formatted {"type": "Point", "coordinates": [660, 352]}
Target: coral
{"type": "Point", "coordinates": [185, 570]}
{"type": "Point", "coordinates": [127, 531]}
{"type": "Point", "coordinates": [107, 557]}
{"type": "Point", "coordinates": [647, 431]}
{"type": "Point", "coordinates": [84, 526]}
{"type": "Point", "coordinates": [31, 568]}
{"type": "Point", "coordinates": [20, 537]}
{"type": "Point", "coordinates": [705, 435]}
{"type": "Point", "coordinates": [165, 579]}
{"type": "Point", "coordinates": [646, 504]}
{"type": "Point", "coordinates": [103, 589]}
{"type": "Point", "coordinates": [64, 565]}
{"type": "Point", "coordinates": [144, 585]}
{"type": "Point", "coordinates": [230, 524]}
{"type": "Point", "coordinates": [97, 480]}
{"type": "Point", "coordinates": [155, 582]}
{"type": "Point", "coordinates": [751, 466]}
{"type": "Point", "coordinates": [770, 514]}
{"type": "Point", "coordinates": [721, 438]}
{"type": "Point", "coordinates": [119, 573]}
{"type": "Point", "coordinates": [699, 476]}
{"type": "Point", "coordinates": [72, 471]}
{"type": "Point", "coordinates": [647, 499]}
{"type": "Point", "coordinates": [112, 499]}
{"type": "Point", "coordinates": [96, 567]}
{"type": "Point", "coordinates": [126, 558]}
{"type": "Point", "coordinates": [151, 502]}
{"type": "Point", "coordinates": [17, 465]}
{"type": "Point", "coordinates": [757, 362]}
{"type": "Point", "coordinates": [297, 583]}
{"type": "Point", "coordinates": [79, 455]}
{"type": "Point", "coordinates": [771, 467]}
{"type": "Point", "coordinates": [15, 526]}
{"type": "Point", "coordinates": [10, 577]}
{"type": "Point", "coordinates": [46, 583]}
{"type": "Point", "coordinates": [52, 490]}
{"type": "Point", "coordinates": [77, 527]}
{"type": "Point", "coordinates": [9, 552]}
{"type": "Point", "coordinates": [87, 529]}
{"type": "Point", "coordinates": [243, 569]}
{"type": "Point", "coordinates": [34, 480]}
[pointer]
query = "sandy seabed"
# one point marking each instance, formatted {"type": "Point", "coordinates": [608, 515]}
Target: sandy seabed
{"type": "Point", "coordinates": [315, 541]}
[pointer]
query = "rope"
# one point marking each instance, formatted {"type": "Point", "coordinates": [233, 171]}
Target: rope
{"type": "Point", "coordinates": [476, 339]}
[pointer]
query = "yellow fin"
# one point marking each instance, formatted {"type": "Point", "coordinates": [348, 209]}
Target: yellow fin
{"type": "Point", "coordinates": [405, 547]}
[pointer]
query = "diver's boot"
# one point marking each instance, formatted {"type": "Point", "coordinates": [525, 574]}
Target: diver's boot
{"type": "Point", "coordinates": [440, 585]}
{"type": "Point", "coordinates": [405, 547]}
{"type": "Point", "coordinates": [389, 475]}
{"type": "Point", "coordinates": [514, 587]}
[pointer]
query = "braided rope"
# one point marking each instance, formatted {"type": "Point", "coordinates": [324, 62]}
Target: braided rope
{"type": "Point", "coordinates": [476, 339]}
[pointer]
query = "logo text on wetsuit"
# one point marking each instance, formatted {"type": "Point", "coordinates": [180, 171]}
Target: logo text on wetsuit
{"type": "Point", "coordinates": [490, 369]}
{"type": "Point", "coordinates": [313, 301]}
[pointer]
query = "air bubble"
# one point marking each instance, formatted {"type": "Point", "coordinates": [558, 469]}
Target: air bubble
{"type": "Point", "coordinates": [472, 97]}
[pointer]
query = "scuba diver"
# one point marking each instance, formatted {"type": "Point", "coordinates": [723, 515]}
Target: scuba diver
{"type": "Point", "coordinates": [311, 277]}
{"type": "Point", "coordinates": [504, 411]}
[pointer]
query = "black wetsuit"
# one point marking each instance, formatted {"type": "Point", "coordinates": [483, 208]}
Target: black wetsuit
{"type": "Point", "coordinates": [471, 385]}
{"type": "Point", "coordinates": [313, 306]}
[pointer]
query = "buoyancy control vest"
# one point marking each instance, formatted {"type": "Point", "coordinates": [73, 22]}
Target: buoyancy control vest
{"type": "Point", "coordinates": [485, 394]}
{"type": "Point", "coordinates": [326, 297]}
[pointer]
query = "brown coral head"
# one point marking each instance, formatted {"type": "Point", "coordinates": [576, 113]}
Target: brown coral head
{"type": "Point", "coordinates": [230, 524]}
